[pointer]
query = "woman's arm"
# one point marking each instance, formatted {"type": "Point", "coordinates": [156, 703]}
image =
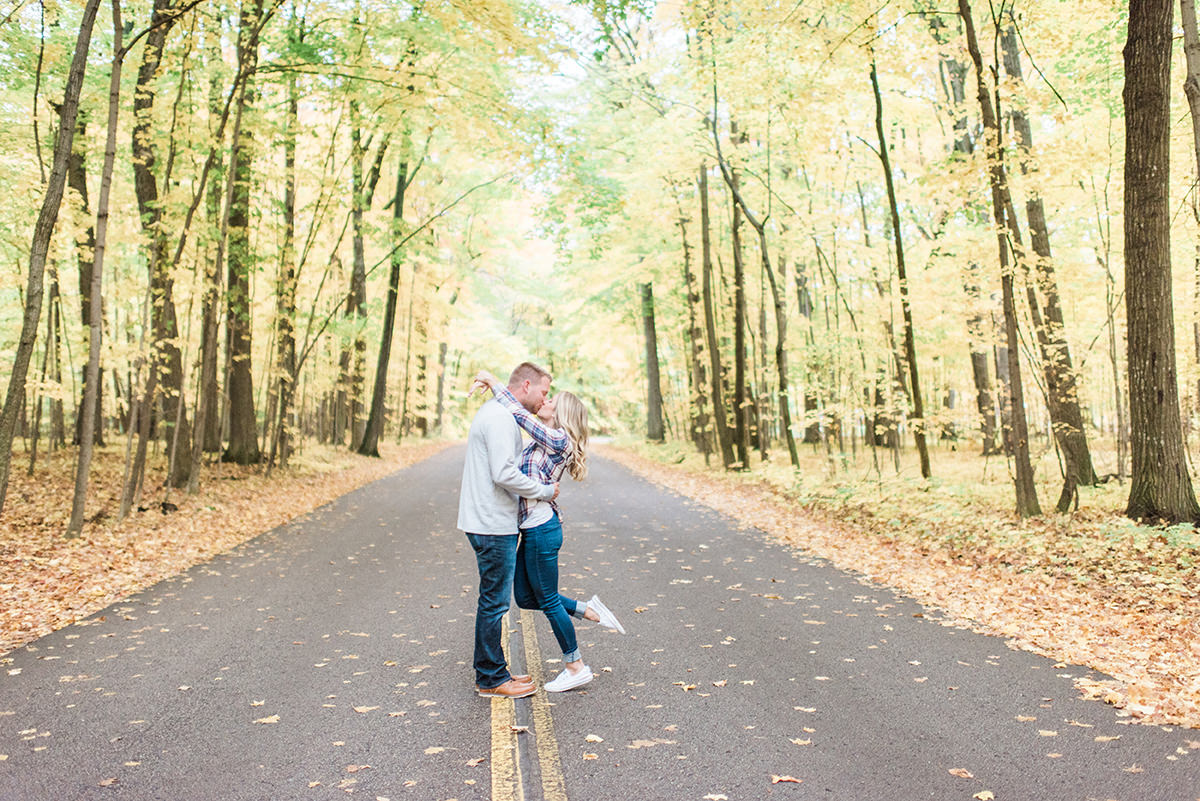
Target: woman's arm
{"type": "Point", "coordinates": [554, 440]}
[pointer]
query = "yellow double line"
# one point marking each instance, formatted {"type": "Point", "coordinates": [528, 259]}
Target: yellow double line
{"type": "Point", "coordinates": [508, 784]}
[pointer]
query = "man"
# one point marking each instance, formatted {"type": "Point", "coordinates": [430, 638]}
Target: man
{"type": "Point", "coordinates": [487, 514]}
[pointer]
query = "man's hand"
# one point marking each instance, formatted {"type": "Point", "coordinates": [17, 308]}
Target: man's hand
{"type": "Point", "coordinates": [555, 496]}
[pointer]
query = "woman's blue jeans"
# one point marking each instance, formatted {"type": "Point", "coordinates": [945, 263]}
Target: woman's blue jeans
{"type": "Point", "coordinates": [496, 555]}
{"type": "Point", "coordinates": [536, 583]}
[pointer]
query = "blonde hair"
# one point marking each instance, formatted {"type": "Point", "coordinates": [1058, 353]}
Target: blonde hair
{"type": "Point", "coordinates": [573, 418]}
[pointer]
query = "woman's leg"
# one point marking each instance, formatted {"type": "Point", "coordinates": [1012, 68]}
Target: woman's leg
{"type": "Point", "coordinates": [540, 561]}
{"type": "Point", "coordinates": [522, 590]}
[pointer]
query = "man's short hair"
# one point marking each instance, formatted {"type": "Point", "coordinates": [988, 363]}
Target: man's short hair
{"type": "Point", "coordinates": [527, 371]}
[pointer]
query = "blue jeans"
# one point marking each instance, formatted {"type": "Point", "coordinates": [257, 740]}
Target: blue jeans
{"type": "Point", "coordinates": [496, 556]}
{"type": "Point", "coordinates": [536, 583]}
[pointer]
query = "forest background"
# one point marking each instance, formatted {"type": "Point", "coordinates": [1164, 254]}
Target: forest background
{"type": "Point", "coordinates": [892, 263]}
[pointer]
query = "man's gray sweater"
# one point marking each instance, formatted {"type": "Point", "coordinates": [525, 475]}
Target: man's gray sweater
{"type": "Point", "coordinates": [491, 482]}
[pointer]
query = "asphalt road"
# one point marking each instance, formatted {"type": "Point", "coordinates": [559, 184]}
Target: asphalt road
{"type": "Point", "coordinates": [331, 658]}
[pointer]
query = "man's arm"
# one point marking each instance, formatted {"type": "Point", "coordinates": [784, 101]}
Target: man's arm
{"type": "Point", "coordinates": [502, 464]}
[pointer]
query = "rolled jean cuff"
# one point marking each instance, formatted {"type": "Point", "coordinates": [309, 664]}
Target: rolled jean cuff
{"type": "Point", "coordinates": [574, 656]}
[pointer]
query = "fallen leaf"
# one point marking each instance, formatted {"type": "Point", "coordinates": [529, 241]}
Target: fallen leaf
{"type": "Point", "coordinates": [519, 729]}
{"type": "Point", "coordinates": [798, 741]}
{"type": "Point", "coordinates": [716, 797]}
{"type": "Point", "coordinates": [434, 749]}
{"type": "Point", "coordinates": [720, 683]}
{"type": "Point", "coordinates": [1047, 733]}
{"type": "Point", "coordinates": [985, 795]}
{"type": "Point", "coordinates": [473, 763]}
{"type": "Point", "coordinates": [1134, 768]}
{"type": "Point", "coordinates": [356, 768]}
{"type": "Point", "coordinates": [591, 738]}
{"type": "Point", "coordinates": [362, 710]}
{"type": "Point", "coordinates": [961, 773]}
{"type": "Point", "coordinates": [590, 756]}
{"type": "Point", "coordinates": [109, 782]}
{"type": "Point", "coordinates": [271, 719]}
{"type": "Point", "coordinates": [777, 779]}
{"type": "Point", "coordinates": [1108, 738]}
{"type": "Point", "coordinates": [1026, 718]}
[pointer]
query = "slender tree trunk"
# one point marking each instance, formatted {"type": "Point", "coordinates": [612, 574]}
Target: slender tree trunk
{"type": "Point", "coordinates": [720, 416]}
{"type": "Point", "coordinates": [77, 181]}
{"type": "Point", "coordinates": [39, 248]}
{"type": "Point", "coordinates": [166, 352]}
{"type": "Point", "coordinates": [1161, 488]}
{"type": "Point", "coordinates": [701, 429]}
{"type": "Point", "coordinates": [741, 399]}
{"type": "Point", "coordinates": [285, 294]}
{"type": "Point", "coordinates": [812, 403]}
{"type": "Point", "coordinates": [92, 388]}
{"type": "Point", "coordinates": [910, 348]}
{"type": "Point", "coordinates": [654, 399]}
{"type": "Point", "coordinates": [1062, 391]}
{"type": "Point", "coordinates": [1026, 491]}
{"type": "Point", "coordinates": [374, 430]}
{"type": "Point", "coordinates": [243, 447]}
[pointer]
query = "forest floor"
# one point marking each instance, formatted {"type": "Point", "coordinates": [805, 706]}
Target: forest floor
{"type": "Point", "coordinates": [48, 581]}
{"type": "Point", "coordinates": [1086, 588]}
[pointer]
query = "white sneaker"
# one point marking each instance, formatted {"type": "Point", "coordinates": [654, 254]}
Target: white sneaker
{"type": "Point", "coordinates": [607, 618]}
{"type": "Point", "coordinates": [566, 680]}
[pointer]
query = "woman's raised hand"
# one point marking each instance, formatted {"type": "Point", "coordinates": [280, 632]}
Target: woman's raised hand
{"type": "Point", "coordinates": [483, 380]}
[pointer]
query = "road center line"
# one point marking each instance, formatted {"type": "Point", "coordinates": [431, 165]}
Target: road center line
{"type": "Point", "coordinates": [506, 774]}
{"type": "Point", "coordinates": [553, 786]}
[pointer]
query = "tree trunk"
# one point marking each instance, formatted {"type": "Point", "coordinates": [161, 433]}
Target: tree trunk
{"type": "Point", "coordinates": [285, 293]}
{"type": "Point", "coordinates": [39, 248]}
{"type": "Point", "coordinates": [370, 441]}
{"type": "Point", "coordinates": [92, 387]}
{"type": "Point", "coordinates": [243, 445]}
{"type": "Point", "coordinates": [77, 181]}
{"type": "Point", "coordinates": [741, 400]}
{"type": "Point", "coordinates": [1026, 491]}
{"type": "Point", "coordinates": [654, 399]}
{"type": "Point", "coordinates": [1161, 488]}
{"type": "Point", "coordinates": [910, 348]}
{"type": "Point", "coordinates": [812, 404]}
{"type": "Point", "coordinates": [720, 416]}
{"type": "Point", "coordinates": [1062, 392]}
{"type": "Point", "coordinates": [700, 427]}
{"type": "Point", "coordinates": [167, 355]}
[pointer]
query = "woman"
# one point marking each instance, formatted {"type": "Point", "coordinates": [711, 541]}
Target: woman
{"type": "Point", "coordinates": [559, 434]}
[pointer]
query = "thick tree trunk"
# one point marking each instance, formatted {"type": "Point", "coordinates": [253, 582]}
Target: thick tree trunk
{"type": "Point", "coordinates": [1161, 488]}
{"type": "Point", "coordinates": [1026, 491]}
{"type": "Point", "coordinates": [374, 430]}
{"type": "Point", "coordinates": [812, 404]}
{"type": "Point", "coordinates": [92, 391]}
{"type": "Point", "coordinates": [39, 248]}
{"type": "Point", "coordinates": [654, 399]}
{"type": "Point", "coordinates": [720, 416]}
{"type": "Point", "coordinates": [243, 447]}
{"type": "Point", "coordinates": [910, 348]}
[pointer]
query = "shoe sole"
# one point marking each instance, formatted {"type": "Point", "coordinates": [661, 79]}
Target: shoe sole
{"type": "Point", "coordinates": [486, 694]}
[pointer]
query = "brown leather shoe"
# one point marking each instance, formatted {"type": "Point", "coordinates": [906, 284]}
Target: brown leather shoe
{"type": "Point", "coordinates": [522, 678]}
{"type": "Point", "coordinates": [509, 689]}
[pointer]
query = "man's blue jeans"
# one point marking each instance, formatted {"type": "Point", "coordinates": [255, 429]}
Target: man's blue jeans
{"type": "Point", "coordinates": [536, 584]}
{"type": "Point", "coordinates": [496, 556]}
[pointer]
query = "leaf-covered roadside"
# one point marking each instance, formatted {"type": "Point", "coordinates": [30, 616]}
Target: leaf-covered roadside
{"type": "Point", "coordinates": [1090, 589]}
{"type": "Point", "coordinates": [47, 581]}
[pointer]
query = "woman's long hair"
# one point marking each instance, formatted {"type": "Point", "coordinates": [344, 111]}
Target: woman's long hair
{"type": "Point", "coordinates": [573, 418]}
